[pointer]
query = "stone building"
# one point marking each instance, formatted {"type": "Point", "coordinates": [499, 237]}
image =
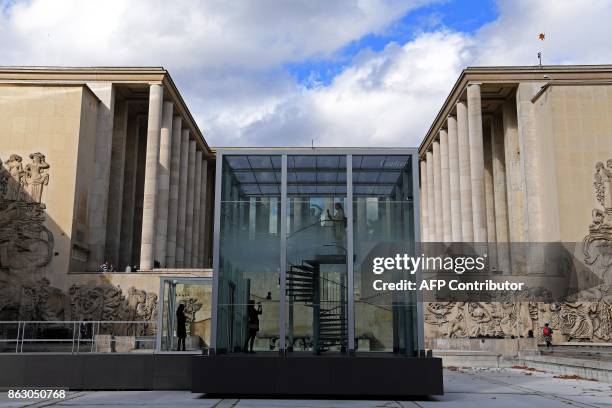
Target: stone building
{"type": "Point", "coordinates": [106, 166]}
{"type": "Point", "coordinates": [523, 155]}
{"type": "Point", "coordinates": [99, 165]}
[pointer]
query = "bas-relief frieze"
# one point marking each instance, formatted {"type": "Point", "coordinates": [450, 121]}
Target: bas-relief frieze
{"type": "Point", "coordinates": [26, 244]}
{"type": "Point", "coordinates": [584, 316]}
{"type": "Point", "coordinates": [26, 248]}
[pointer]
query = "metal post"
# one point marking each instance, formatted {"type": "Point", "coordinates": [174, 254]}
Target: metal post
{"type": "Point", "coordinates": [349, 254]}
{"type": "Point", "coordinates": [417, 240]}
{"type": "Point", "coordinates": [17, 339]}
{"type": "Point", "coordinates": [283, 258]}
{"type": "Point", "coordinates": [22, 335]}
{"type": "Point", "coordinates": [216, 235]}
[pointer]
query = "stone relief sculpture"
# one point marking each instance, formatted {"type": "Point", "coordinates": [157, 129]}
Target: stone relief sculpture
{"type": "Point", "coordinates": [36, 177]}
{"type": "Point", "coordinates": [107, 303]}
{"type": "Point", "coordinates": [585, 316]}
{"type": "Point", "coordinates": [26, 244]}
{"type": "Point", "coordinates": [597, 245]}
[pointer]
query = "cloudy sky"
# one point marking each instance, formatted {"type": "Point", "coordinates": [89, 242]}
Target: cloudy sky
{"type": "Point", "coordinates": [283, 73]}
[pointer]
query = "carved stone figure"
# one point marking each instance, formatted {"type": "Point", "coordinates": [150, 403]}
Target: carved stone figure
{"type": "Point", "coordinates": [25, 243]}
{"type": "Point", "coordinates": [36, 177]}
{"type": "Point", "coordinates": [15, 172]}
{"type": "Point", "coordinates": [597, 245]}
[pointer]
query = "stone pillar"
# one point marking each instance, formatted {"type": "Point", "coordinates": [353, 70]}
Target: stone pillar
{"type": "Point", "coordinates": [182, 200]}
{"type": "Point", "coordinates": [431, 220]}
{"type": "Point", "coordinates": [149, 206]}
{"type": "Point", "coordinates": [202, 230]}
{"type": "Point", "coordinates": [514, 182]}
{"type": "Point", "coordinates": [163, 188]}
{"type": "Point", "coordinates": [197, 200]}
{"type": "Point", "coordinates": [500, 197]}
{"type": "Point", "coordinates": [115, 189]}
{"type": "Point", "coordinates": [445, 181]}
{"type": "Point", "coordinates": [173, 198]}
{"type": "Point", "coordinates": [424, 207]}
{"type": "Point", "coordinates": [465, 182]}
{"type": "Point", "coordinates": [129, 191]}
{"type": "Point", "coordinates": [139, 194]}
{"type": "Point", "coordinates": [479, 210]}
{"type": "Point", "coordinates": [189, 202]}
{"type": "Point", "coordinates": [98, 195]}
{"type": "Point", "coordinates": [530, 161]}
{"type": "Point", "coordinates": [489, 197]}
{"type": "Point", "coordinates": [437, 191]}
{"type": "Point", "coordinates": [455, 192]}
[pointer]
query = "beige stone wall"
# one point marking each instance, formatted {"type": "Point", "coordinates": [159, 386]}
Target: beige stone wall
{"type": "Point", "coordinates": [84, 175]}
{"type": "Point", "coordinates": [47, 119]}
{"type": "Point", "coordinates": [575, 121]}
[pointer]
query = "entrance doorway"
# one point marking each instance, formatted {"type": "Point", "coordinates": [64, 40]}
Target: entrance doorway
{"type": "Point", "coordinates": [196, 296]}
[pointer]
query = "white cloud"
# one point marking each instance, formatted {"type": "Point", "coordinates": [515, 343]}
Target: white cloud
{"type": "Point", "coordinates": [228, 57]}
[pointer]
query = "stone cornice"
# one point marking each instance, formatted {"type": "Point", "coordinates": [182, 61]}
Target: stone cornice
{"type": "Point", "coordinates": [120, 75]}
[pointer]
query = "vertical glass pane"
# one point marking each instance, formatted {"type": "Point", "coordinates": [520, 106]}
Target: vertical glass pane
{"type": "Point", "coordinates": [196, 299]}
{"type": "Point", "coordinates": [249, 254]}
{"type": "Point", "coordinates": [383, 226]}
{"type": "Point", "coordinates": [316, 253]}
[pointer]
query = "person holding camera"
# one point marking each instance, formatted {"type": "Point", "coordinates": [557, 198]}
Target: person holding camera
{"type": "Point", "coordinates": [253, 325]}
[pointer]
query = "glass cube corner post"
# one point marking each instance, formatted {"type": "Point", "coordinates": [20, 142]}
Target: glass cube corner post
{"type": "Point", "coordinates": [295, 233]}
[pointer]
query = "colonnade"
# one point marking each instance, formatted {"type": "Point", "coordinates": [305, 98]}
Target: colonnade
{"type": "Point", "coordinates": [174, 206]}
{"type": "Point", "coordinates": [158, 189]}
{"type": "Point", "coordinates": [473, 185]}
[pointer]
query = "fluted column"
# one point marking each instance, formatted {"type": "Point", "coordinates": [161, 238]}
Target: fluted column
{"type": "Point", "coordinates": [445, 181]}
{"type": "Point", "coordinates": [149, 205]}
{"type": "Point", "coordinates": [116, 182]}
{"type": "Point", "coordinates": [129, 190]}
{"type": "Point", "coordinates": [455, 192]}
{"type": "Point", "coordinates": [163, 189]}
{"type": "Point", "coordinates": [465, 182]}
{"type": "Point", "coordinates": [430, 197]}
{"type": "Point", "coordinates": [190, 196]}
{"type": "Point", "coordinates": [424, 208]}
{"type": "Point", "coordinates": [514, 183]}
{"type": "Point", "coordinates": [500, 196]}
{"type": "Point", "coordinates": [182, 200]}
{"type": "Point", "coordinates": [173, 199]}
{"type": "Point", "coordinates": [479, 210]}
{"type": "Point", "coordinates": [437, 190]}
{"type": "Point", "coordinates": [195, 241]}
{"type": "Point", "coordinates": [490, 198]}
{"type": "Point", "coordinates": [203, 197]}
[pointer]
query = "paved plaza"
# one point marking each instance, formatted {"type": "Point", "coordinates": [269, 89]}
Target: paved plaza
{"type": "Point", "coordinates": [490, 388]}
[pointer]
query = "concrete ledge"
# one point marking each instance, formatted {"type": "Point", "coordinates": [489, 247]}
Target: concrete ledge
{"type": "Point", "coordinates": [585, 368]}
{"type": "Point", "coordinates": [114, 371]}
{"type": "Point", "coordinates": [472, 359]}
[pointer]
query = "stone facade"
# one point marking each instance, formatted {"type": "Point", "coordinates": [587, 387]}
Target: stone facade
{"type": "Point", "coordinates": [543, 146]}
{"type": "Point", "coordinates": [75, 160]}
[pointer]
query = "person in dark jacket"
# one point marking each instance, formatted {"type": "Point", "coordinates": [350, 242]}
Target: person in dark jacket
{"type": "Point", "coordinates": [181, 329]}
{"type": "Point", "coordinates": [253, 325]}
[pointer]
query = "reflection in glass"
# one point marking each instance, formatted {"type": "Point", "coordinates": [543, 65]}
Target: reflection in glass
{"type": "Point", "coordinates": [383, 225]}
{"type": "Point", "coordinates": [249, 251]}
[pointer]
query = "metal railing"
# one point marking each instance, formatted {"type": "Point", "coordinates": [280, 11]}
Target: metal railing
{"type": "Point", "coordinates": [74, 337]}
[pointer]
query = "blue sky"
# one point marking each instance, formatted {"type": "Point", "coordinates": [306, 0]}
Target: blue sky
{"type": "Point", "coordinates": [283, 73]}
{"type": "Point", "coordinates": [458, 15]}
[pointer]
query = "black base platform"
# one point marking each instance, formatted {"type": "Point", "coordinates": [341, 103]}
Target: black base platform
{"type": "Point", "coordinates": [112, 371]}
{"type": "Point", "coordinates": [362, 376]}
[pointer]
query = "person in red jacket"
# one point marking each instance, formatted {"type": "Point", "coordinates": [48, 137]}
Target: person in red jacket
{"type": "Point", "coordinates": [547, 332]}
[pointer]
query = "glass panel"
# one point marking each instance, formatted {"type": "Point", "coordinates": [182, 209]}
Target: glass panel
{"type": "Point", "coordinates": [383, 226]}
{"type": "Point", "coordinates": [249, 254]}
{"type": "Point", "coordinates": [196, 301]}
{"type": "Point", "coordinates": [316, 254]}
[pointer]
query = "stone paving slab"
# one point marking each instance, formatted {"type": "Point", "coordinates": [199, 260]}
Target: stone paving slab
{"type": "Point", "coordinates": [486, 388]}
